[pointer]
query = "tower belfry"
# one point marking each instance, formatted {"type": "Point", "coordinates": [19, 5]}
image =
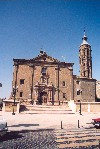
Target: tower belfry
{"type": "Point", "coordinates": [85, 58]}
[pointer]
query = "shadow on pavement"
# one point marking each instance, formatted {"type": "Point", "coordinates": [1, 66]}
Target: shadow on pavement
{"type": "Point", "coordinates": [24, 125]}
{"type": "Point", "coordinates": [10, 135]}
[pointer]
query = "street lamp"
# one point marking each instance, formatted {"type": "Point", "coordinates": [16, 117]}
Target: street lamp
{"type": "Point", "coordinates": [80, 109]}
{"type": "Point", "coordinates": [14, 94]}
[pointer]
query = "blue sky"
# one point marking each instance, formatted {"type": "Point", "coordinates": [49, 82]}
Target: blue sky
{"type": "Point", "coordinates": [57, 26]}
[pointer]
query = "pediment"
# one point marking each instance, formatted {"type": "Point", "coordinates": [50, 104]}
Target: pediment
{"type": "Point", "coordinates": [44, 57]}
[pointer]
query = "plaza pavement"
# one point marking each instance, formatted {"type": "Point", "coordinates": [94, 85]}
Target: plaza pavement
{"type": "Point", "coordinates": [43, 131]}
{"type": "Point", "coordinates": [26, 121]}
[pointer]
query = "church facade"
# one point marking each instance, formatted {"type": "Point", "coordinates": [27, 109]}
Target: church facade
{"type": "Point", "coordinates": [46, 80]}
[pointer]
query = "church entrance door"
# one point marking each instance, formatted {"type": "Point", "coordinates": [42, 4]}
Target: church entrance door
{"type": "Point", "coordinates": [43, 98]}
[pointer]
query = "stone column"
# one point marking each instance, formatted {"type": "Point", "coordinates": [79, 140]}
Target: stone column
{"type": "Point", "coordinates": [18, 107]}
{"type": "Point", "coordinates": [57, 81]}
{"type": "Point", "coordinates": [48, 98]}
{"type": "Point", "coordinates": [35, 96]}
{"type": "Point", "coordinates": [32, 68]}
{"type": "Point", "coordinates": [3, 109]}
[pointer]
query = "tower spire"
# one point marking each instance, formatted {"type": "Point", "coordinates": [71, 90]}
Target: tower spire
{"type": "Point", "coordinates": [84, 39]}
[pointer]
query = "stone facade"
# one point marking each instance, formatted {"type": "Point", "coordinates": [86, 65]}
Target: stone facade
{"type": "Point", "coordinates": [46, 80]}
{"type": "Point", "coordinates": [43, 80]}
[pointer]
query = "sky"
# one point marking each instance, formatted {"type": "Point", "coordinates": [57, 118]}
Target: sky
{"type": "Point", "coordinates": [56, 26]}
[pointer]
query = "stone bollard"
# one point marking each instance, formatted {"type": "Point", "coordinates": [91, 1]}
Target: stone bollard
{"type": "Point", "coordinates": [78, 124]}
{"type": "Point", "coordinates": [61, 125]}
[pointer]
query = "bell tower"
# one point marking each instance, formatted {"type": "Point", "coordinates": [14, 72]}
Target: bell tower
{"type": "Point", "coordinates": [85, 58]}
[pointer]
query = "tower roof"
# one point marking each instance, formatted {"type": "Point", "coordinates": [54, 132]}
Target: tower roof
{"type": "Point", "coordinates": [84, 39]}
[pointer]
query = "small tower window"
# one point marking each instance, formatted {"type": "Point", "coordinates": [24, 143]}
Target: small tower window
{"type": "Point", "coordinates": [21, 81]}
{"type": "Point", "coordinates": [88, 53]}
{"type": "Point", "coordinates": [84, 53]}
{"type": "Point", "coordinates": [43, 71]}
{"type": "Point", "coordinates": [83, 64]}
{"type": "Point", "coordinates": [84, 73]}
{"type": "Point", "coordinates": [64, 95]}
{"type": "Point", "coordinates": [63, 83]}
{"type": "Point", "coordinates": [21, 94]}
{"type": "Point", "coordinates": [78, 92]}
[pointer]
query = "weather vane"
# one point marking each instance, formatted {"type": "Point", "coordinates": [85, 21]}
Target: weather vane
{"type": "Point", "coordinates": [84, 30]}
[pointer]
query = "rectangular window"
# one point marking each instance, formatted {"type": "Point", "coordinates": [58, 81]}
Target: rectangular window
{"type": "Point", "coordinates": [21, 94]}
{"type": "Point", "coordinates": [64, 95]}
{"type": "Point", "coordinates": [21, 81]}
{"type": "Point", "coordinates": [78, 92]}
{"type": "Point", "coordinates": [63, 83]}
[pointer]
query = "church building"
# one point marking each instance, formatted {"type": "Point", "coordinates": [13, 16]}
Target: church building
{"type": "Point", "coordinates": [46, 80]}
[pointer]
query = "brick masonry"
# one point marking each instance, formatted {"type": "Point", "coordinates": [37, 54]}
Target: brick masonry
{"type": "Point", "coordinates": [56, 84]}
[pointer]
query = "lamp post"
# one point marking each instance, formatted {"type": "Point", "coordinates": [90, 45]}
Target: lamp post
{"type": "Point", "coordinates": [80, 109]}
{"type": "Point", "coordinates": [14, 94]}
{"type": "Point", "coordinates": [80, 104]}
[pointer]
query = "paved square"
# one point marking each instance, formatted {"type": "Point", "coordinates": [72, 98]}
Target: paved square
{"type": "Point", "coordinates": [42, 131]}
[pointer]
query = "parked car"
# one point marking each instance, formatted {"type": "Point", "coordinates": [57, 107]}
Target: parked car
{"type": "Point", "coordinates": [3, 127]}
{"type": "Point", "coordinates": [96, 122]}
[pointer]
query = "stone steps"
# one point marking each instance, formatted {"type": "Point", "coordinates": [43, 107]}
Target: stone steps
{"type": "Point", "coordinates": [44, 109]}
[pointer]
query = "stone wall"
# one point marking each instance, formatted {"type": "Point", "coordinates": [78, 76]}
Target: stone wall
{"type": "Point", "coordinates": [88, 106]}
{"type": "Point", "coordinates": [9, 106]}
{"type": "Point", "coordinates": [84, 89]}
{"type": "Point", "coordinates": [67, 76]}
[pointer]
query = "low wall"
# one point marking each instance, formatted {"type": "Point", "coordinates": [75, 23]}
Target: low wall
{"type": "Point", "coordinates": [9, 106]}
{"type": "Point", "coordinates": [88, 106]}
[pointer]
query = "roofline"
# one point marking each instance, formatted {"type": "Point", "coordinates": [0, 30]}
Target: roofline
{"type": "Point", "coordinates": [83, 78]}
{"type": "Point", "coordinates": [24, 61]}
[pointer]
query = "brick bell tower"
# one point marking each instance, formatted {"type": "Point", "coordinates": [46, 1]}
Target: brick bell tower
{"type": "Point", "coordinates": [85, 58]}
